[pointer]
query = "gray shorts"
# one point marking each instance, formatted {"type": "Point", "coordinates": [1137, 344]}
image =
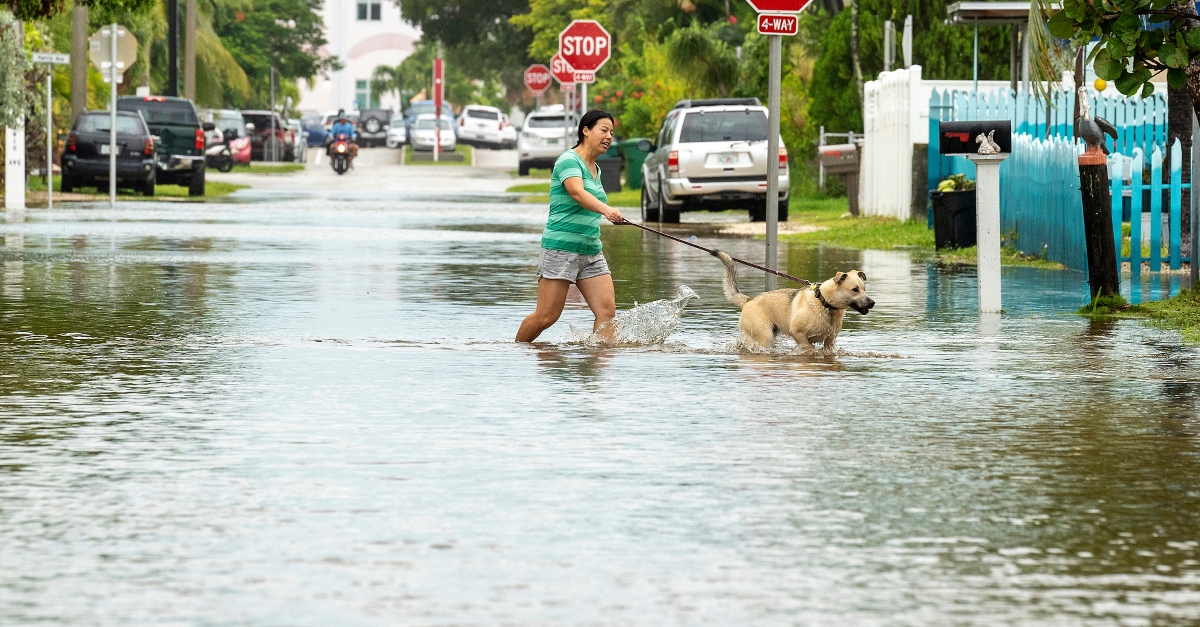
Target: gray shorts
{"type": "Point", "coordinates": [560, 264]}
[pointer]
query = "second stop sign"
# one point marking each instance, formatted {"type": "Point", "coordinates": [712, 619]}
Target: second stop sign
{"type": "Point", "coordinates": [585, 45]}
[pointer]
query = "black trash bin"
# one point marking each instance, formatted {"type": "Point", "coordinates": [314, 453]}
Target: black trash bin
{"type": "Point", "coordinates": [953, 219]}
{"type": "Point", "coordinates": [610, 169]}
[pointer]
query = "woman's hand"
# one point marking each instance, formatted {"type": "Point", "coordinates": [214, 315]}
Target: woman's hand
{"type": "Point", "coordinates": [612, 214]}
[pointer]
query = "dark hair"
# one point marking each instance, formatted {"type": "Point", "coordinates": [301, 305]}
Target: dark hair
{"type": "Point", "coordinates": [590, 120]}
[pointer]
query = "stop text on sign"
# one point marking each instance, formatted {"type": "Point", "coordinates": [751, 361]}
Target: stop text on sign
{"type": "Point", "coordinates": [561, 70]}
{"type": "Point", "coordinates": [777, 24]}
{"type": "Point", "coordinates": [585, 45]}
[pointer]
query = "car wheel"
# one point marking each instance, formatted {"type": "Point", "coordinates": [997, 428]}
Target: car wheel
{"type": "Point", "coordinates": [523, 170]}
{"type": "Point", "coordinates": [649, 211]}
{"type": "Point", "coordinates": [783, 210]}
{"type": "Point", "coordinates": [148, 187]}
{"type": "Point", "coordinates": [759, 213]}
{"type": "Point", "coordinates": [196, 185]}
{"type": "Point", "coordinates": [66, 184]}
{"type": "Point", "coordinates": [670, 215]}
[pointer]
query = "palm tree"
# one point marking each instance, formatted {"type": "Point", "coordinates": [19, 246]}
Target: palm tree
{"type": "Point", "coordinates": [388, 79]}
{"type": "Point", "coordinates": [708, 62]}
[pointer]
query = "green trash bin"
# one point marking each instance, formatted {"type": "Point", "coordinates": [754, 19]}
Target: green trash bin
{"type": "Point", "coordinates": [634, 156]}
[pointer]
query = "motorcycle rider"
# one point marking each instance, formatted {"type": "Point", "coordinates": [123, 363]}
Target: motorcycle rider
{"type": "Point", "coordinates": [343, 126]}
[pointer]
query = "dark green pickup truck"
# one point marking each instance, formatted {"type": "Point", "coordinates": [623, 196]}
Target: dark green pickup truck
{"type": "Point", "coordinates": [179, 138]}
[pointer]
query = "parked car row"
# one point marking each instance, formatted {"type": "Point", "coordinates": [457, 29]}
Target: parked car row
{"type": "Point", "coordinates": [475, 125]}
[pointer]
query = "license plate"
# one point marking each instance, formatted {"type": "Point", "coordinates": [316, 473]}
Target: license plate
{"type": "Point", "coordinates": [552, 140]}
{"type": "Point", "coordinates": [727, 158]}
{"type": "Point", "coordinates": [105, 149]}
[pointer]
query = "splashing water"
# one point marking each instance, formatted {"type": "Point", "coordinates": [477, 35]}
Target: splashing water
{"type": "Point", "coordinates": [651, 323]}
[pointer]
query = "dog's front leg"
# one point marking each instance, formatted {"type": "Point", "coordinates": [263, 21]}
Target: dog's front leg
{"type": "Point", "coordinates": [803, 346]}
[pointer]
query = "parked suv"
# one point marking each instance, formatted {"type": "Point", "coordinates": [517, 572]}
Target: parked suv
{"type": "Point", "coordinates": [481, 126]}
{"type": "Point", "coordinates": [85, 159]}
{"type": "Point", "coordinates": [373, 127]}
{"type": "Point", "coordinates": [178, 136]}
{"type": "Point", "coordinates": [543, 139]}
{"type": "Point", "coordinates": [711, 155]}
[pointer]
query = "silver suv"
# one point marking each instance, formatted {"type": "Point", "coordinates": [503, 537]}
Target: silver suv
{"type": "Point", "coordinates": [711, 155]}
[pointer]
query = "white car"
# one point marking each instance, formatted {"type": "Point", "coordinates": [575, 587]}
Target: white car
{"type": "Point", "coordinates": [481, 126]}
{"type": "Point", "coordinates": [424, 132]}
{"type": "Point", "coordinates": [543, 138]}
{"type": "Point", "coordinates": [396, 135]}
{"type": "Point", "coordinates": [508, 134]}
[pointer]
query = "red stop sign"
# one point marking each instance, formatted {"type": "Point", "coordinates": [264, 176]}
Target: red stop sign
{"type": "Point", "coordinates": [537, 78]}
{"type": "Point", "coordinates": [561, 70]}
{"type": "Point", "coordinates": [585, 45]}
{"type": "Point", "coordinates": [779, 6]}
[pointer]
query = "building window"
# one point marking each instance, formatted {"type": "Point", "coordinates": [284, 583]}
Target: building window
{"type": "Point", "coordinates": [362, 94]}
{"type": "Point", "coordinates": [370, 11]}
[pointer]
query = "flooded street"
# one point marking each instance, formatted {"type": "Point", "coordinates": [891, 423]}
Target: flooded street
{"type": "Point", "coordinates": [303, 406]}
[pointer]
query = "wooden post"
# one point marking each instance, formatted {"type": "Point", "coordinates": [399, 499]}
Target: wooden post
{"type": "Point", "coordinates": [1097, 224]}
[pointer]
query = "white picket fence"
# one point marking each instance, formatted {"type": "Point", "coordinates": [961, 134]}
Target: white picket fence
{"type": "Point", "coordinates": [891, 114]}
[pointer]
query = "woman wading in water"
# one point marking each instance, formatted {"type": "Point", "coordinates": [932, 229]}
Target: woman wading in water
{"type": "Point", "coordinates": [571, 241]}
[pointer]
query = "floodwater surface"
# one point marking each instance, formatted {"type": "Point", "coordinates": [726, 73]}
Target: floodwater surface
{"type": "Point", "coordinates": [308, 410]}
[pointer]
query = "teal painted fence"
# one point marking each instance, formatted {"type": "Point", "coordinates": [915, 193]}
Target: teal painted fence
{"type": "Point", "coordinates": [1126, 177]}
{"type": "Point", "coordinates": [1041, 211]}
{"type": "Point", "coordinates": [1141, 123]}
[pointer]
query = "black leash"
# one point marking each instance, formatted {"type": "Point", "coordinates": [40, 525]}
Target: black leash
{"type": "Point", "coordinates": [713, 252]}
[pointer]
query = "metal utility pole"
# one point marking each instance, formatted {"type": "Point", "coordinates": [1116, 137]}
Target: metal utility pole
{"type": "Point", "coordinates": [50, 59]}
{"type": "Point", "coordinates": [775, 66]}
{"type": "Point", "coordinates": [189, 51]}
{"type": "Point", "coordinates": [172, 48]}
{"type": "Point", "coordinates": [112, 111]}
{"type": "Point", "coordinates": [274, 142]}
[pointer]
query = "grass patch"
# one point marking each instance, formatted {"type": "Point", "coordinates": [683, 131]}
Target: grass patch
{"type": "Point", "coordinates": [854, 232]}
{"type": "Point", "coordinates": [212, 189]}
{"type": "Point", "coordinates": [530, 188]}
{"type": "Point", "coordinates": [535, 173]}
{"type": "Point", "coordinates": [461, 149]}
{"type": "Point", "coordinates": [1009, 256]}
{"type": "Point", "coordinates": [267, 168]}
{"type": "Point", "coordinates": [1179, 312]}
{"type": "Point", "coordinates": [626, 198]}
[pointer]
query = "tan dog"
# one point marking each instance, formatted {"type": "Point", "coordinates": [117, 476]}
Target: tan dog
{"type": "Point", "coordinates": [808, 315]}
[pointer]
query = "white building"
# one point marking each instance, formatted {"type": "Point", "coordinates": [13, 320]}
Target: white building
{"type": "Point", "coordinates": [362, 34]}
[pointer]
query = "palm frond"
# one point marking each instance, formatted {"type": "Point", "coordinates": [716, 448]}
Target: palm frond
{"type": "Point", "coordinates": [1048, 57]}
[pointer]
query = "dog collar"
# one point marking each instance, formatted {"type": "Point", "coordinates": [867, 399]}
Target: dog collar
{"type": "Point", "coordinates": [817, 290]}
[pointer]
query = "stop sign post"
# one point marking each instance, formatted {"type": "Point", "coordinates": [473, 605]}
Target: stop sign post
{"type": "Point", "coordinates": [438, 90]}
{"type": "Point", "coordinates": [586, 47]}
{"type": "Point", "coordinates": [774, 22]}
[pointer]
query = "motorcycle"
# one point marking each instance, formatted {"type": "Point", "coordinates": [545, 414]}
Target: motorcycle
{"type": "Point", "coordinates": [217, 155]}
{"type": "Point", "coordinates": [340, 154]}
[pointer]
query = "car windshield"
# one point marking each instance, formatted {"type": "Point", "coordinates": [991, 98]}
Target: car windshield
{"type": "Point", "coordinates": [397, 120]}
{"type": "Point", "coordinates": [483, 114]}
{"type": "Point", "coordinates": [160, 112]}
{"type": "Point", "coordinates": [102, 123]}
{"type": "Point", "coordinates": [714, 126]}
{"type": "Point", "coordinates": [230, 123]}
{"type": "Point", "coordinates": [426, 106]}
{"type": "Point", "coordinates": [544, 121]}
{"type": "Point", "coordinates": [427, 124]}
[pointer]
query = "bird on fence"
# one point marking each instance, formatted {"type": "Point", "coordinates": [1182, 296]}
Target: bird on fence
{"type": "Point", "coordinates": [1092, 130]}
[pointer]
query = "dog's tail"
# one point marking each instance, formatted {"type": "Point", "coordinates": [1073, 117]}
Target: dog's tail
{"type": "Point", "coordinates": [732, 293]}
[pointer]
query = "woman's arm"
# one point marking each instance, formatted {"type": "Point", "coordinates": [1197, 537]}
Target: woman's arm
{"type": "Point", "coordinates": [574, 187]}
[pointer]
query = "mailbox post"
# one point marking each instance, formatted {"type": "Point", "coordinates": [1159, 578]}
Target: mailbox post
{"type": "Point", "coordinates": [842, 159]}
{"type": "Point", "coordinates": [986, 143]}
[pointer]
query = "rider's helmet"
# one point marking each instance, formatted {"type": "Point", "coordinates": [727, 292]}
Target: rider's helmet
{"type": "Point", "coordinates": [341, 114]}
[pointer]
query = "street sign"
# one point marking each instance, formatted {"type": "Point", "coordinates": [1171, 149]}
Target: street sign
{"type": "Point", "coordinates": [779, 6]}
{"type": "Point", "coordinates": [585, 45]}
{"type": "Point", "coordinates": [537, 78]}
{"type": "Point", "coordinates": [778, 24]}
{"type": "Point", "coordinates": [584, 77]}
{"type": "Point", "coordinates": [52, 57]}
{"type": "Point", "coordinates": [561, 70]}
{"type": "Point", "coordinates": [100, 52]}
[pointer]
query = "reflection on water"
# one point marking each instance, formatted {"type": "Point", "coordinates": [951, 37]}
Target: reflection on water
{"type": "Point", "coordinates": [311, 413]}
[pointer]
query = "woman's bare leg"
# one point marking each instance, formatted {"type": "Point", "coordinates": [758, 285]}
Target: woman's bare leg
{"type": "Point", "coordinates": [552, 296]}
{"type": "Point", "coordinates": [602, 300]}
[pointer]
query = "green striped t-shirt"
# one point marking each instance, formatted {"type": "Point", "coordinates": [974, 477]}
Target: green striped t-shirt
{"type": "Point", "coordinates": [571, 227]}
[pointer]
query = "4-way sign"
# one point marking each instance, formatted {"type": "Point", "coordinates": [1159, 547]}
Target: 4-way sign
{"type": "Point", "coordinates": [778, 24]}
{"type": "Point", "coordinates": [585, 46]}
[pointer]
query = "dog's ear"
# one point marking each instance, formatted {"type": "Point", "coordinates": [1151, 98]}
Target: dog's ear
{"type": "Point", "coordinates": [862, 275]}
{"type": "Point", "coordinates": [841, 276]}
